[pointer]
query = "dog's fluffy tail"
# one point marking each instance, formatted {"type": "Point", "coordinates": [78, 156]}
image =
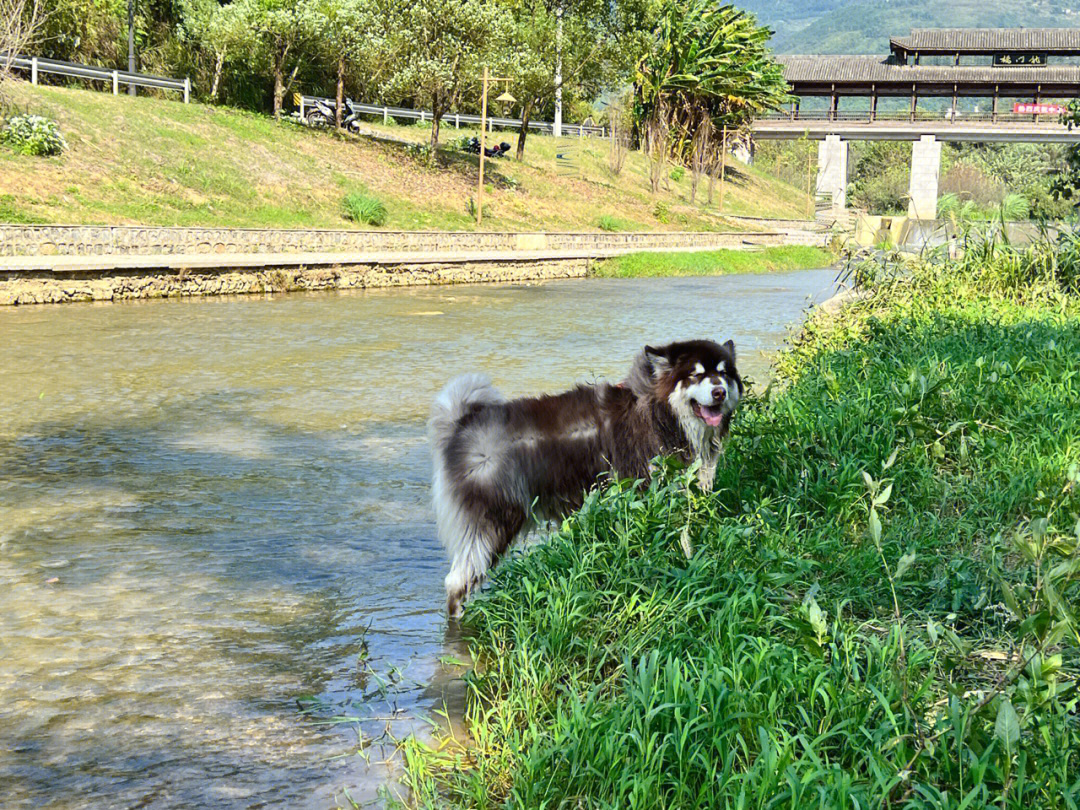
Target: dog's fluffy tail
{"type": "Point", "coordinates": [469, 553]}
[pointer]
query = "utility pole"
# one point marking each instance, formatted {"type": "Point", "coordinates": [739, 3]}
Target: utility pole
{"type": "Point", "coordinates": [131, 43]}
{"type": "Point", "coordinates": [556, 129]}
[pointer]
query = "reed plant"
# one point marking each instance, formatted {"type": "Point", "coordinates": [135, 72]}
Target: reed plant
{"type": "Point", "coordinates": [878, 606]}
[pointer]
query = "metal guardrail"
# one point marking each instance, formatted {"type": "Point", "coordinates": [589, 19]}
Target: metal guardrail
{"type": "Point", "coordinates": [35, 65]}
{"type": "Point", "coordinates": [580, 130]}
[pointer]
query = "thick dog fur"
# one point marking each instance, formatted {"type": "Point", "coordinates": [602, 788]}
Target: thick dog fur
{"type": "Point", "coordinates": [501, 466]}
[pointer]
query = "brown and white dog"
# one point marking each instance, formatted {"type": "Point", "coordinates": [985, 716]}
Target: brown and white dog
{"type": "Point", "coordinates": [501, 466]}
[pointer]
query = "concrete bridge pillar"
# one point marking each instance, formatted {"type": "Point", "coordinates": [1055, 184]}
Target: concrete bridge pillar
{"type": "Point", "coordinates": [832, 170]}
{"type": "Point", "coordinates": [925, 172]}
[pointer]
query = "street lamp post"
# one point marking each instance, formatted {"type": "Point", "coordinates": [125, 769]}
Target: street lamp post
{"type": "Point", "coordinates": [131, 43]}
{"type": "Point", "coordinates": [505, 97]}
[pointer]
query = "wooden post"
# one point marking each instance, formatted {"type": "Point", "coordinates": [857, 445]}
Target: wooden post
{"type": "Point", "coordinates": [914, 97]}
{"type": "Point", "coordinates": [993, 108]}
{"type": "Point", "coordinates": [1038, 100]}
{"type": "Point", "coordinates": [873, 103]}
{"type": "Point", "coordinates": [723, 167]}
{"type": "Point", "coordinates": [115, 83]}
{"type": "Point", "coordinates": [187, 89]}
{"type": "Point", "coordinates": [33, 70]}
{"type": "Point", "coordinates": [483, 121]}
{"type": "Point", "coordinates": [385, 116]}
{"type": "Point", "coordinates": [457, 120]}
{"type": "Point", "coordinates": [303, 119]}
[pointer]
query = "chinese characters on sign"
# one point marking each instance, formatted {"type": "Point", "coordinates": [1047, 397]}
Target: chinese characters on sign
{"type": "Point", "coordinates": [1020, 59]}
{"type": "Point", "coordinates": [1038, 109]}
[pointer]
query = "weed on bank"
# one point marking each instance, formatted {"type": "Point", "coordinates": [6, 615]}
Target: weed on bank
{"type": "Point", "coordinates": [878, 607]}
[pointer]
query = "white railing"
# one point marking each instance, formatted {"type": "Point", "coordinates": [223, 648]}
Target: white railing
{"type": "Point", "coordinates": [36, 66]}
{"type": "Point", "coordinates": [457, 119]}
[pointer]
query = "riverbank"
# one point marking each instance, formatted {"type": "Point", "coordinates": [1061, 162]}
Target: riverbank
{"type": "Point", "coordinates": [878, 608]}
{"type": "Point", "coordinates": [58, 264]}
{"type": "Point", "coordinates": [161, 162]}
{"type": "Point", "coordinates": [713, 262]}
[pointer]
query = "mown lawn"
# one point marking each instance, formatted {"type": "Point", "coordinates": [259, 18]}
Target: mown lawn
{"type": "Point", "coordinates": [713, 262]}
{"type": "Point", "coordinates": [161, 162]}
{"type": "Point", "coordinates": [879, 610]}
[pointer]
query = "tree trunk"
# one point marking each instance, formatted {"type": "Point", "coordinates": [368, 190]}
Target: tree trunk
{"type": "Point", "coordinates": [218, 65]}
{"type": "Point", "coordinates": [279, 90]}
{"type": "Point", "coordinates": [340, 91]}
{"type": "Point", "coordinates": [437, 113]}
{"type": "Point", "coordinates": [526, 111]}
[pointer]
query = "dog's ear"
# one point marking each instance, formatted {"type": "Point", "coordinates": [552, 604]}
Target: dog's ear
{"type": "Point", "coordinates": [659, 358]}
{"type": "Point", "coordinates": [730, 346]}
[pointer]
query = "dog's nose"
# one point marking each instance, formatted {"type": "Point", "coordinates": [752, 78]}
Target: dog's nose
{"type": "Point", "coordinates": [719, 393]}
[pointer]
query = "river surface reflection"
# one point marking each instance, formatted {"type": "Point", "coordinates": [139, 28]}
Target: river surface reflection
{"type": "Point", "coordinates": [214, 523]}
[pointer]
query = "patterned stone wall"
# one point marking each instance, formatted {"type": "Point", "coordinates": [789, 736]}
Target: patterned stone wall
{"type": "Point", "coordinates": [231, 282]}
{"type": "Point", "coordinates": [80, 240]}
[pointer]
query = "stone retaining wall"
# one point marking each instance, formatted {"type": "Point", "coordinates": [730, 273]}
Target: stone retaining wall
{"type": "Point", "coordinates": [88, 240]}
{"type": "Point", "coordinates": [226, 282]}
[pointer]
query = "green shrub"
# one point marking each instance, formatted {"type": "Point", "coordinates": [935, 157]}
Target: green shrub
{"type": "Point", "coordinates": [364, 208]}
{"type": "Point", "coordinates": [423, 123]}
{"type": "Point", "coordinates": [662, 211]}
{"type": "Point", "coordinates": [608, 223]}
{"type": "Point", "coordinates": [677, 173]}
{"type": "Point", "coordinates": [420, 151]}
{"type": "Point", "coordinates": [33, 135]}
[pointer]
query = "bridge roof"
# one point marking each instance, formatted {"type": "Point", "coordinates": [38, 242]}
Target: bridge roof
{"type": "Point", "coordinates": [988, 40]}
{"type": "Point", "coordinates": [824, 71]}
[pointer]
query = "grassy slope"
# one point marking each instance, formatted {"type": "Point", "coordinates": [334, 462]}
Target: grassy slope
{"type": "Point", "coordinates": [152, 161]}
{"type": "Point", "coordinates": [713, 262]}
{"type": "Point", "coordinates": [778, 666]}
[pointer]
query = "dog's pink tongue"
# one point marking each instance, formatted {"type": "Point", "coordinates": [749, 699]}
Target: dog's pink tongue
{"type": "Point", "coordinates": [711, 416]}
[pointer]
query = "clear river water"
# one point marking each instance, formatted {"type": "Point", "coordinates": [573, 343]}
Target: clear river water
{"type": "Point", "coordinates": [219, 581]}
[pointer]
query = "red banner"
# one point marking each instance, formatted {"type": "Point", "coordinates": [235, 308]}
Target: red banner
{"type": "Point", "coordinates": [1039, 109]}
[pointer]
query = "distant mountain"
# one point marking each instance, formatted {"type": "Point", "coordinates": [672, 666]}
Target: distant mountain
{"type": "Point", "coordinates": [843, 26]}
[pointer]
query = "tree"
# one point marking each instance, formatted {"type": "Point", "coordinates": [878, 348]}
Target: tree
{"type": "Point", "coordinates": [438, 47]}
{"type": "Point", "coordinates": [217, 30]}
{"type": "Point", "coordinates": [20, 21]}
{"type": "Point", "coordinates": [351, 36]}
{"type": "Point", "coordinates": [709, 69]}
{"type": "Point", "coordinates": [282, 29]}
{"type": "Point", "coordinates": [596, 47]}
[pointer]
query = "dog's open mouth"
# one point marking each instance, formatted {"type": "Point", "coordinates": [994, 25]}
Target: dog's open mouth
{"type": "Point", "coordinates": [709, 414]}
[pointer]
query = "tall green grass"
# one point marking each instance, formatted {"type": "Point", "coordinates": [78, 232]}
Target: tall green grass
{"type": "Point", "coordinates": [880, 605]}
{"type": "Point", "coordinates": [713, 262]}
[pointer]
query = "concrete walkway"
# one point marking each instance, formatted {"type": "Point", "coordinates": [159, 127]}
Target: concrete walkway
{"type": "Point", "coordinates": [62, 266]}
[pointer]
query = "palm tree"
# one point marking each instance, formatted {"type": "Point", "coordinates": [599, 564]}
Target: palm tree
{"type": "Point", "coordinates": [710, 69]}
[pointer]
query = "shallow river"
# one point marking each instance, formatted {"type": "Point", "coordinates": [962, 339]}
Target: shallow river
{"type": "Point", "coordinates": [214, 531]}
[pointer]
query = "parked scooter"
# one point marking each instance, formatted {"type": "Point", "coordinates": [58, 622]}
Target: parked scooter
{"type": "Point", "coordinates": [321, 114]}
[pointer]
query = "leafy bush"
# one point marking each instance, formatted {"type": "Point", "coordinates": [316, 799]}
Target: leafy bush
{"type": "Point", "coordinates": [364, 208]}
{"type": "Point", "coordinates": [423, 123]}
{"type": "Point", "coordinates": [677, 173]}
{"type": "Point", "coordinates": [33, 135]}
{"type": "Point", "coordinates": [420, 151]}
{"type": "Point", "coordinates": [608, 223]}
{"type": "Point", "coordinates": [662, 211]}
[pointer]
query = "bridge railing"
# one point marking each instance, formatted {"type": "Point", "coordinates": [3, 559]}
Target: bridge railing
{"type": "Point", "coordinates": [36, 65]}
{"type": "Point", "coordinates": [946, 117]}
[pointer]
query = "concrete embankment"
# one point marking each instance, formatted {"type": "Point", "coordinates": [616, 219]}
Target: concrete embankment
{"type": "Point", "coordinates": [55, 264]}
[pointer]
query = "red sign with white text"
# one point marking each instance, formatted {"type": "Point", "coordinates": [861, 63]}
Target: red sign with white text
{"type": "Point", "coordinates": [1039, 109]}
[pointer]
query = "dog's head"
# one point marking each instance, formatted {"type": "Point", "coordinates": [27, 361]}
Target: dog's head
{"type": "Point", "coordinates": [698, 378]}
